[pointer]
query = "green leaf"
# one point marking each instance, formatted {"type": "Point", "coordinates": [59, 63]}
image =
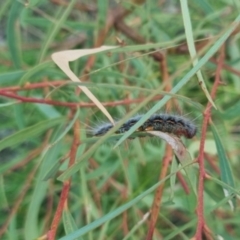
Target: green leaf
{"type": "Point", "coordinates": [174, 167]}
{"type": "Point", "coordinates": [3, 197]}
{"type": "Point", "coordinates": [113, 214]}
{"type": "Point", "coordinates": [116, 212]}
{"type": "Point", "coordinates": [28, 133]}
{"type": "Point", "coordinates": [205, 6]}
{"type": "Point", "coordinates": [47, 160]}
{"type": "Point", "coordinates": [55, 28]}
{"type": "Point", "coordinates": [11, 77]}
{"type": "Point", "coordinates": [191, 47]}
{"type": "Point", "coordinates": [225, 169]}
{"type": "Point", "coordinates": [50, 173]}
{"type": "Point", "coordinates": [69, 223]}
{"type": "Point", "coordinates": [226, 172]}
{"type": "Point", "coordinates": [34, 70]}
{"type": "Point", "coordinates": [19, 115]}
{"type": "Point", "coordinates": [181, 83]}
{"type": "Point", "coordinates": [12, 35]}
{"type": "Point", "coordinates": [7, 104]}
{"type": "Point", "coordinates": [232, 112]}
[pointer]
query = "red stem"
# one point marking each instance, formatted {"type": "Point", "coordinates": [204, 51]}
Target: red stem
{"type": "Point", "coordinates": [207, 115]}
{"type": "Point", "coordinates": [72, 104]}
{"type": "Point", "coordinates": [66, 185]}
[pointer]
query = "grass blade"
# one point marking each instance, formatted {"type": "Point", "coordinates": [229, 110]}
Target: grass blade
{"type": "Point", "coordinates": [191, 47]}
{"type": "Point", "coordinates": [225, 169]}
{"type": "Point", "coordinates": [12, 36]}
{"type": "Point", "coordinates": [182, 82]}
{"type": "Point", "coordinates": [29, 133]}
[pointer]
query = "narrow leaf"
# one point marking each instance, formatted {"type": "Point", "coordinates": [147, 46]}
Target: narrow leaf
{"type": "Point", "coordinates": [191, 47]}
{"type": "Point", "coordinates": [225, 169]}
{"type": "Point", "coordinates": [69, 223]}
{"type": "Point", "coordinates": [12, 36]}
{"type": "Point", "coordinates": [28, 133]}
{"type": "Point", "coordinates": [182, 82]}
{"type": "Point", "coordinates": [113, 214]}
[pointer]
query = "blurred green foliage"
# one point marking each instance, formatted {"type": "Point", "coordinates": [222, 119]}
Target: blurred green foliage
{"type": "Point", "coordinates": [112, 181]}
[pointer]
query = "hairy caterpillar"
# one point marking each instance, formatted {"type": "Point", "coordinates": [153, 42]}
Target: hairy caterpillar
{"type": "Point", "coordinates": [167, 123]}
